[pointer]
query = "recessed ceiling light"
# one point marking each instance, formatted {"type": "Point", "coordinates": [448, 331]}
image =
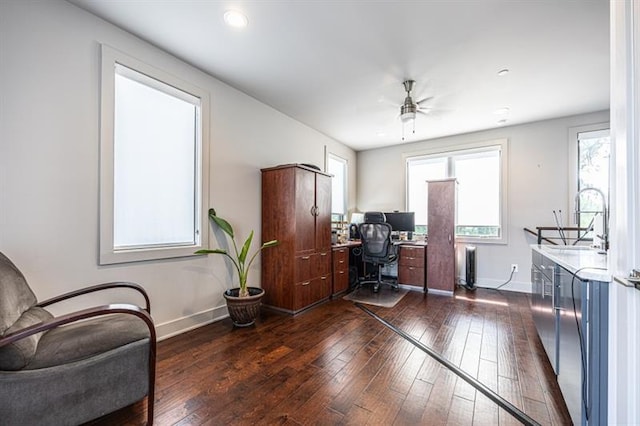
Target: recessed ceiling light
{"type": "Point", "coordinates": [381, 134]}
{"type": "Point", "coordinates": [502, 122]}
{"type": "Point", "coordinates": [235, 19]}
{"type": "Point", "coordinates": [502, 72]}
{"type": "Point", "coordinates": [503, 110]}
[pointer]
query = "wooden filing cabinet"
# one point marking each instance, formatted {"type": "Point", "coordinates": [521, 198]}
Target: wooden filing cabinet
{"type": "Point", "coordinates": [296, 210]}
{"type": "Point", "coordinates": [411, 265]}
{"type": "Point", "coordinates": [441, 217]}
{"type": "Point", "coordinates": [340, 257]}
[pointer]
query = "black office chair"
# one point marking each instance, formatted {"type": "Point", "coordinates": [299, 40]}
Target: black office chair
{"type": "Point", "coordinates": [377, 249]}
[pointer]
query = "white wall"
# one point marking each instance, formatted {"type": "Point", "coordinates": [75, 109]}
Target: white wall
{"type": "Point", "coordinates": [49, 140]}
{"type": "Point", "coordinates": [538, 183]}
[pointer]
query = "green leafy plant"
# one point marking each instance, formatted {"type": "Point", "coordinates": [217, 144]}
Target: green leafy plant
{"type": "Point", "coordinates": [239, 259]}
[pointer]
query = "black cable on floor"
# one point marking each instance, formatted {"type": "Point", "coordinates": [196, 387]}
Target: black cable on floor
{"type": "Point", "coordinates": [520, 415]}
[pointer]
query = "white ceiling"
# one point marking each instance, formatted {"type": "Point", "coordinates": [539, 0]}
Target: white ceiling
{"type": "Point", "coordinates": [337, 66]}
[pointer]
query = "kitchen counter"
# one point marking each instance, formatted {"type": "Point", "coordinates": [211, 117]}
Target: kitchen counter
{"type": "Point", "coordinates": [585, 262]}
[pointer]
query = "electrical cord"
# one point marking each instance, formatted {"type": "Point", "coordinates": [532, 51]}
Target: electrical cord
{"type": "Point", "coordinates": [583, 355]}
{"type": "Point", "coordinates": [507, 281]}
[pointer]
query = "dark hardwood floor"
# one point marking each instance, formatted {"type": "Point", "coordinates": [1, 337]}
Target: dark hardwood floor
{"type": "Point", "coordinates": [334, 364]}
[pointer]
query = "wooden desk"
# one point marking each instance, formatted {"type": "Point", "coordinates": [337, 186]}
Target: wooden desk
{"type": "Point", "coordinates": [340, 264]}
{"type": "Point", "coordinates": [412, 256]}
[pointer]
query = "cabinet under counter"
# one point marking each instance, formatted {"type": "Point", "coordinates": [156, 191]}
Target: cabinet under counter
{"type": "Point", "coordinates": [570, 304]}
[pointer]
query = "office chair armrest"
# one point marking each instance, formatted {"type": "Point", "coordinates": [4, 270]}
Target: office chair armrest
{"type": "Point", "coordinates": [121, 308]}
{"type": "Point", "coordinates": [393, 253]}
{"type": "Point", "coordinates": [99, 287]}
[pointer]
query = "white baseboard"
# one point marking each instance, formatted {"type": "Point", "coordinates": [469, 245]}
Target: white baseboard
{"type": "Point", "coordinates": [519, 286]}
{"type": "Point", "coordinates": [190, 322]}
{"type": "Point", "coordinates": [438, 291]}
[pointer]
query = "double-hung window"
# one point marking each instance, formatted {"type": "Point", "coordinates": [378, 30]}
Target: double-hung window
{"type": "Point", "coordinates": [153, 170]}
{"type": "Point", "coordinates": [480, 171]}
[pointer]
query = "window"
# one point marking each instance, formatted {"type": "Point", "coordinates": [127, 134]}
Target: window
{"type": "Point", "coordinates": [337, 166]}
{"type": "Point", "coordinates": [153, 180]}
{"type": "Point", "coordinates": [481, 173]}
{"type": "Point", "coordinates": [593, 152]}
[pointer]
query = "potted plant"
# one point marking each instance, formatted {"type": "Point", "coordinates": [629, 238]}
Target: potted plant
{"type": "Point", "coordinates": [243, 302]}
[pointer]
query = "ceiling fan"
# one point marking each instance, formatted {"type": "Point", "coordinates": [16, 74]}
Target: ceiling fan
{"type": "Point", "coordinates": [410, 108]}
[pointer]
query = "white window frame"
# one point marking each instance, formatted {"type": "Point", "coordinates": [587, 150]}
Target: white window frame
{"type": "Point", "coordinates": [574, 133]}
{"type": "Point", "coordinates": [345, 163]}
{"type": "Point", "coordinates": [504, 184]}
{"type": "Point", "coordinates": [108, 253]}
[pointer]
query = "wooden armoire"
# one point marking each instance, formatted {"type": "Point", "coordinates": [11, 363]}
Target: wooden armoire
{"type": "Point", "coordinates": [441, 235]}
{"type": "Point", "coordinates": [296, 210]}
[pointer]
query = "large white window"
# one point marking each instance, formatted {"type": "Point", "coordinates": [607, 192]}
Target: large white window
{"type": "Point", "coordinates": [337, 166]}
{"type": "Point", "coordinates": [481, 174]}
{"type": "Point", "coordinates": [153, 171]}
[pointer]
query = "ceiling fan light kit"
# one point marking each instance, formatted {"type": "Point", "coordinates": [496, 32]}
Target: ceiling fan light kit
{"type": "Point", "coordinates": [409, 107]}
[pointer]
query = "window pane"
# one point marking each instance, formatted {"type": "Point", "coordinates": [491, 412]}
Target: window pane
{"type": "Point", "coordinates": [338, 168]}
{"type": "Point", "coordinates": [155, 147]}
{"type": "Point", "coordinates": [478, 176]}
{"type": "Point", "coordinates": [418, 172]}
{"type": "Point", "coordinates": [594, 149]}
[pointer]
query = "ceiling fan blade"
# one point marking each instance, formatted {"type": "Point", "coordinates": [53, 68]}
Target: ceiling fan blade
{"type": "Point", "coordinates": [428, 98]}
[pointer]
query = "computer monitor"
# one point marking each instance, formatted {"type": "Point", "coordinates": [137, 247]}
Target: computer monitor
{"type": "Point", "coordinates": [401, 221]}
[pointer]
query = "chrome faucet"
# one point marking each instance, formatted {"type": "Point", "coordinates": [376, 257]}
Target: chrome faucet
{"type": "Point", "coordinates": [605, 215]}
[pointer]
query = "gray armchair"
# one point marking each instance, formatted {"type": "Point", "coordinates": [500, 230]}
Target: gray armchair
{"type": "Point", "coordinates": [73, 368]}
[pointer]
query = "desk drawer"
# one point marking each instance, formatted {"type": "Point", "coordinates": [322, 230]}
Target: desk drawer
{"type": "Point", "coordinates": [411, 256]}
{"type": "Point", "coordinates": [340, 260]}
{"type": "Point", "coordinates": [411, 275]}
{"type": "Point", "coordinates": [340, 281]}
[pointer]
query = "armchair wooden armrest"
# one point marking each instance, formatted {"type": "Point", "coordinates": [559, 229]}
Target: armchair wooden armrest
{"type": "Point", "coordinates": [121, 308]}
{"type": "Point", "coordinates": [99, 287]}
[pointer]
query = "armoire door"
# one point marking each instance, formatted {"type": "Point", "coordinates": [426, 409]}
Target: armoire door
{"type": "Point", "coordinates": [323, 212]}
{"type": "Point", "coordinates": [305, 211]}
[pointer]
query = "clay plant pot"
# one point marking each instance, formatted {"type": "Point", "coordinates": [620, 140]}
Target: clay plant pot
{"type": "Point", "coordinates": [244, 310]}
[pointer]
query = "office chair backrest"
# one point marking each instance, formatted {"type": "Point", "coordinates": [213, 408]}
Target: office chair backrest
{"type": "Point", "coordinates": [374, 217]}
{"type": "Point", "coordinates": [376, 241]}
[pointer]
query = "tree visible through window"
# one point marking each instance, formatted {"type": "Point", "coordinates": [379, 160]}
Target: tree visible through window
{"type": "Point", "coordinates": [594, 151]}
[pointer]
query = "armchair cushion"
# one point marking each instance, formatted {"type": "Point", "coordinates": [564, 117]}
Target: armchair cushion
{"type": "Point", "coordinates": [17, 355]}
{"type": "Point", "coordinates": [84, 339]}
